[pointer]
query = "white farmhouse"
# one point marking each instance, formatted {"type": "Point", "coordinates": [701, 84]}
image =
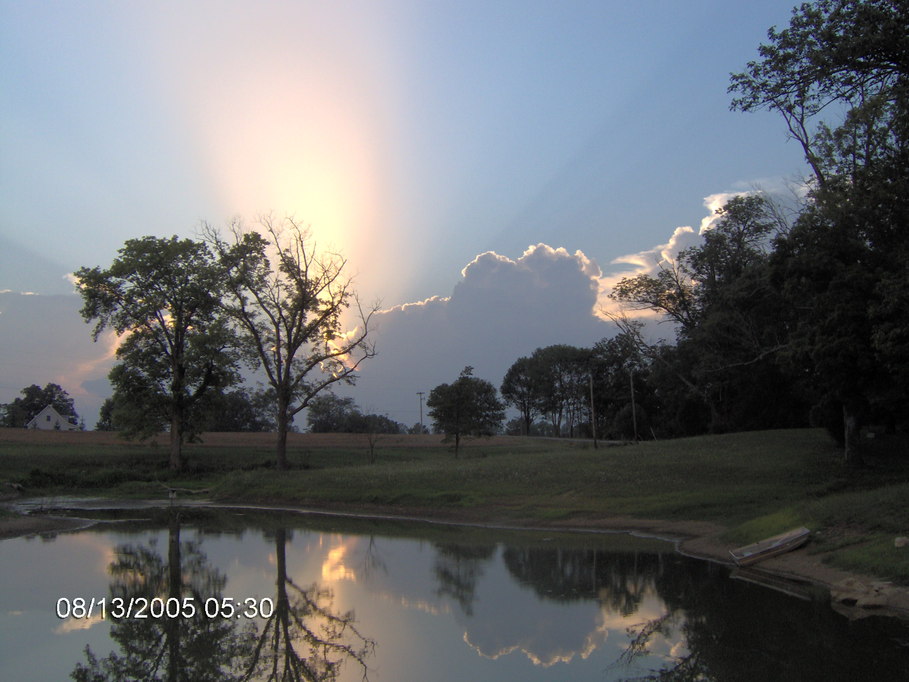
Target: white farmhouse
{"type": "Point", "coordinates": [49, 419]}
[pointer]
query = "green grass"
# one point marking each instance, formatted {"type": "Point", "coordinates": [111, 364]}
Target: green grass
{"type": "Point", "coordinates": [754, 484]}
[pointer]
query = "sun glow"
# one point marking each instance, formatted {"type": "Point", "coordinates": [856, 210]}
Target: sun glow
{"type": "Point", "coordinates": [296, 127]}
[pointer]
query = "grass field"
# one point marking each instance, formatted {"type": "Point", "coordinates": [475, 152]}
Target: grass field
{"type": "Point", "coordinates": [754, 484]}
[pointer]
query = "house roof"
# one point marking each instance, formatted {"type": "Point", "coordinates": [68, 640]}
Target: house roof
{"type": "Point", "coordinates": [48, 410]}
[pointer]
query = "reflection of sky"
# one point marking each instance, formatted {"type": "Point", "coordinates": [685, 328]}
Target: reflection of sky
{"type": "Point", "coordinates": [389, 583]}
{"type": "Point", "coordinates": [509, 626]}
{"type": "Point", "coordinates": [34, 643]}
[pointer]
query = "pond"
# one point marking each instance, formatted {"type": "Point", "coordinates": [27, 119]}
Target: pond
{"type": "Point", "coordinates": [237, 594]}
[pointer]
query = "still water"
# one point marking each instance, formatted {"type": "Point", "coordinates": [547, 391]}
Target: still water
{"type": "Point", "coordinates": [246, 595]}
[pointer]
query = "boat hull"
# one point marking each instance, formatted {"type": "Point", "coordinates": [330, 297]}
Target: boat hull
{"type": "Point", "coordinates": [773, 546]}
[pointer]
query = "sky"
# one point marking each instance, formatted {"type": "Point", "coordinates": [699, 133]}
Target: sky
{"type": "Point", "coordinates": [488, 169]}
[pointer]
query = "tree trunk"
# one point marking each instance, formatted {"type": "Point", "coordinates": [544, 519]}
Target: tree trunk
{"type": "Point", "coordinates": [851, 452]}
{"type": "Point", "coordinates": [176, 441]}
{"type": "Point", "coordinates": [177, 412]}
{"type": "Point", "coordinates": [281, 446]}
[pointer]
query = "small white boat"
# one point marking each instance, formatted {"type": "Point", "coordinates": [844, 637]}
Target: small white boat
{"type": "Point", "coordinates": [778, 544]}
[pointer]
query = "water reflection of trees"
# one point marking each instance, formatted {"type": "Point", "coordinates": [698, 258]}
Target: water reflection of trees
{"type": "Point", "coordinates": [457, 568]}
{"type": "Point", "coordinates": [618, 580]}
{"type": "Point", "coordinates": [196, 648]}
{"type": "Point", "coordinates": [302, 639]}
{"type": "Point", "coordinates": [730, 630]}
{"type": "Point", "coordinates": [736, 631]}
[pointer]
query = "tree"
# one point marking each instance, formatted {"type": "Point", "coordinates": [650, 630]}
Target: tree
{"type": "Point", "coordinates": [106, 416]}
{"type": "Point", "coordinates": [562, 375]}
{"type": "Point", "coordinates": [519, 389]}
{"type": "Point", "coordinates": [670, 292]}
{"type": "Point", "coordinates": [839, 77]}
{"type": "Point", "coordinates": [844, 56]}
{"type": "Point", "coordinates": [34, 399]}
{"type": "Point", "coordinates": [735, 321]}
{"type": "Point", "coordinates": [467, 407]}
{"type": "Point", "coordinates": [289, 314]}
{"type": "Point", "coordinates": [163, 298]}
{"type": "Point", "coordinates": [825, 271]}
{"type": "Point", "coordinates": [328, 413]}
{"type": "Point", "coordinates": [239, 410]}
{"type": "Point", "coordinates": [618, 368]}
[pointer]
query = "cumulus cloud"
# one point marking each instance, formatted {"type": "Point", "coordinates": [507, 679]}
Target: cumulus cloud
{"type": "Point", "coordinates": [715, 202]}
{"type": "Point", "coordinates": [500, 310]}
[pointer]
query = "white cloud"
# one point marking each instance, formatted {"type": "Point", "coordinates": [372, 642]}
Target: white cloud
{"type": "Point", "coordinates": [649, 261]}
{"type": "Point", "coordinates": [713, 203]}
{"type": "Point", "coordinates": [500, 310]}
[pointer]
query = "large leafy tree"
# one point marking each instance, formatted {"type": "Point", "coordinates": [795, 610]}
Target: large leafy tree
{"type": "Point", "coordinates": [162, 296]}
{"type": "Point", "coordinates": [466, 407]}
{"type": "Point", "coordinates": [34, 399]}
{"type": "Point", "coordinates": [288, 302]}
{"type": "Point", "coordinates": [839, 77]}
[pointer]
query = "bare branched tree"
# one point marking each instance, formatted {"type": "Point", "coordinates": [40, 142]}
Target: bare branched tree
{"type": "Point", "coordinates": [288, 302]}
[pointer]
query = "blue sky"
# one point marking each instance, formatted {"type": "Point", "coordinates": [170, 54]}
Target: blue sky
{"type": "Point", "coordinates": [412, 136]}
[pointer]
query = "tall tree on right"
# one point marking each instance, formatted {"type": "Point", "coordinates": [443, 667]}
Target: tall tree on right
{"type": "Point", "coordinates": [839, 77]}
{"type": "Point", "coordinates": [731, 322]}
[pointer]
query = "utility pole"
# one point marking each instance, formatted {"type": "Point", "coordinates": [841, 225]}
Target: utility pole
{"type": "Point", "coordinates": [421, 394]}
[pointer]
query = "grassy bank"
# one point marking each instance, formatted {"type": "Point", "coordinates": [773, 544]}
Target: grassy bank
{"type": "Point", "coordinates": [753, 484]}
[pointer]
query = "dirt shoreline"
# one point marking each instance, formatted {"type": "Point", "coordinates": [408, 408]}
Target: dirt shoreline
{"type": "Point", "coordinates": [852, 594]}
